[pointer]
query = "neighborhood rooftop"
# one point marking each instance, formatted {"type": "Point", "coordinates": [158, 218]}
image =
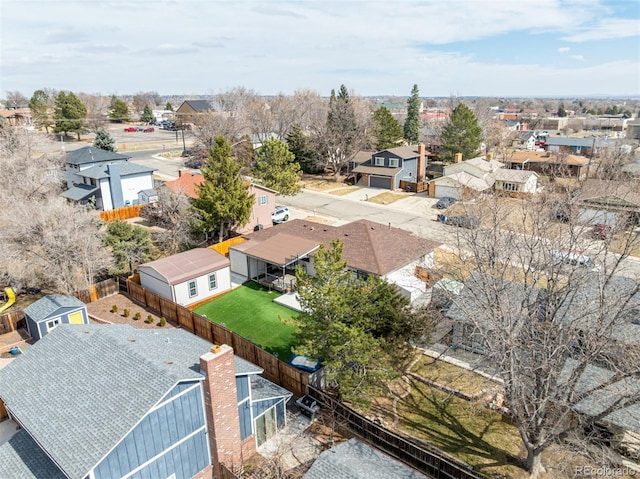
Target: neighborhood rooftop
{"type": "Point", "coordinates": [368, 246]}
{"type": "Point", "coordinates": [90, 154]}
{"type": "Point", "coordinates": [187, 265]}
{"type": "Point", "coordinates": [101, 366]}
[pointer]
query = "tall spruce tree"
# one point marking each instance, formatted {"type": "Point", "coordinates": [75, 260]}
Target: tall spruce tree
{"type": "Point", "coordinates": [119, 111]}
{"type": "Point", "coordinates": [299, 146]}
{"type": "Point", "coordinates": [39, 106]}
{"type": "Point", "coordinates": [413, 122]}
{"type": "Point", "coordinates": [147, 115]}
{"type": "Point", "coordinates": [70, 114]}
{"type": "Point", "coordinates": [104, 140]}
{"type": "Point", "coordinates": [223, 201]}
{"type": "Point", "coordinates": [462, 134]}
{"type": "Point", "coordinates": [387, 129]}
{"type": "Point", "coordinates": [277, 168]}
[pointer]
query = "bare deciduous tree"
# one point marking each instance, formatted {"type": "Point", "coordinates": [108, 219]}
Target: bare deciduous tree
{"type": "Point", "coordinates": [172, 215]}
{"type": "Point", "coordinates": [97, 110]}
{"type": "Point", "coordinates": [44, 240]}
{"type": "Point", "coordinates": [556, 313]}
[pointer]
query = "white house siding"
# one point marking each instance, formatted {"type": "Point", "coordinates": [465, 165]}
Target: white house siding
{"type": "Point", "coordinates": [105, 191]}
{"type": "Point", "coordinates": [445, 187]}
{"type": "Point", "coordinates": [531, 184]}
{"type": "Point", "coordinates": [133, 184]}
{"type": "Point", "coordinates": [239, 263]}
{"type": "Point", "coordinates": [153, 282]}
{"type": "Point", "coordinates": [223, 283]}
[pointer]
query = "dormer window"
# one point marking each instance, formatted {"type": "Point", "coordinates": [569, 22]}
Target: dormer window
{"type": "Point", "coordinates": [394, 162]}
{"type": "Point", "coordinates": [378, 161]}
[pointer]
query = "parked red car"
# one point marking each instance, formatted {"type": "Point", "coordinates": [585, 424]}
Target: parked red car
{"type": "Point", "coordinates": [149, 129]}
{"type": "Point", "coordinates": [600, 231]}
{"type": "Point", "coordinates": [130, 129]}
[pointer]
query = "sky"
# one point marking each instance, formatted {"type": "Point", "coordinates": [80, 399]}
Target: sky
{"type": "Point", "coordinates": [504, 48]}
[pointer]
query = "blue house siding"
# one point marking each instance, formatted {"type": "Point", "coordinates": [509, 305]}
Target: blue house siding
{"type": "Point", "coordinates": [409, 170]}
{"type": "Point", "coordinates": [242, 387]}
{"type": "Point", "coordinates": [246, 428]}
{"type": "Point", "coordinates": [183, 386]}
{"type": "Point", "coordinates": [161, 429]}
{"type": "Point", "coordinates": [40, 327]}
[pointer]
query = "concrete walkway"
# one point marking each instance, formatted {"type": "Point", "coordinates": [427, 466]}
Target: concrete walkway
{"type": "Point", "coordinates": [290, 300]}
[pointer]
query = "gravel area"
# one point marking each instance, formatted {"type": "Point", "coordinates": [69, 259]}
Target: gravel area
{"type": "Point", "coordinates": [101, 311]}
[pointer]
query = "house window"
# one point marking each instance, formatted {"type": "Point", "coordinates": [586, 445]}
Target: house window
{"type": "Point", "coordinates": [212, 281]}
{"type": "Point", "coordinates": [393, 162]}
{"type": "Point", "coordinates": [52, 324]}
{"type": "Point", "coordinates": [193, 290]}
{"type": "Point", "coordinates": [510, 187]}
{"type": "Point", "coordinates": [263, 200]}
{"type": "Point", "coordinates": [378, 161]}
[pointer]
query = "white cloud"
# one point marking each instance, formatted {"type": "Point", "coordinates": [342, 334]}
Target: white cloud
{"type": "Point", "coordinates": [578, 57]}
{"type": "Point", "coordinates": [564, 49]}
{"type": "Point", "coordinates": [607, 29]}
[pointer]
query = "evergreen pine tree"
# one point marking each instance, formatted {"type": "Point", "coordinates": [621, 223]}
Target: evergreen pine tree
{"type": "Point", "coordinates": [277, 168]}
{"type": "Point", "coordinates": [104, 140]}
{"type": "Point", "coordinates": [147, 115]}
{"type": "Point", "coordinates": [120, 111]}
{"type": "Point", "coordinates": [462, 134]}
{"type": "Point", "coordinates": [387, 129]}
{"type": "Point", "coordinates": [39, 106]}
{"type": "Point", "coordinates": [223, 201]}
{"type": "Point", "coordinates": [299, 146]}
{"type": "Point", "coordinates": [70, 114]}
{"type": "Point", "coordinates": [413, 122]}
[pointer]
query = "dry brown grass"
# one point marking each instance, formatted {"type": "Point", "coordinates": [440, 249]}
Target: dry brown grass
{"type": "Point", "coordinates": [387, 198]}
{"type": "Point", "coordinates": [316, 183]}
{"type": "Point", "coordinates": [454, 377]}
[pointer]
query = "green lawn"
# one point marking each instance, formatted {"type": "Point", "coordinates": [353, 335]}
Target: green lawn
{"type": "Point", "coordinates": [251, 312]}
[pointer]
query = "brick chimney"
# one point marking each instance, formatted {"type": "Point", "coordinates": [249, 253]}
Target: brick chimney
{"type": "Point", "coordinates": [457, 158]}
{"type": "Point", "coordinates": [183, 171]}
{"type": "Point", "coordinates": [221, 406]}
{"type": "Point", "coordinates": [421, 164]}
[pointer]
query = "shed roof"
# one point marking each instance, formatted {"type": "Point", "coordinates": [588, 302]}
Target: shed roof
{"type": "Point", "coordinates": [79, 364]}
{"type": "Point", "coordinates": [182, 267]}
{"type": "Point", "coordinates": [49, 305]}
{"type": "Point", "coordinates": [356, 460]}
{"type": "Point", "coordinates": [91, 154]}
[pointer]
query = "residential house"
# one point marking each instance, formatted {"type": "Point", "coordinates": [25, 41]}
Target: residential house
{"type": "Point", "coordinates": [187, 278]}
{"type": "Point", "coordinates": [515, 181]}
{"type": "Point", "coordinates": [577, 146]}
{"type": "Point", "coordinates": [264, 202]}
{"type": "Point", "coordinates": [402, 167]}
{"type": "Point", "coordinates": [105, 177]}
{"type": "Point", "coordinates": [53, 310]}
{"type": "Point", "coordinates": [270, 256]}
{"type": "Point", "coordinates": [525, 140]}
{"type": "Point", "coordinates": [354, 459]}
{"type": "Point", "coordinates": [188, 112]}
{"type": "Point", "coordinates": [17, 116]}
{"type": "Point", "coordinates": [614, 203]}
{"type": "Point", "coordinates": [548, 164]}
{"type": "Point", "coordinates": [464, 178]}
{"type": "Point", "coordinates": [107, 401]}
{"type": "Point", "coordinates": [468, 311]}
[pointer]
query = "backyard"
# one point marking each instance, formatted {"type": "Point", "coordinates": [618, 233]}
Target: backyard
{"type": "Point", "coordinates": [250, 311]}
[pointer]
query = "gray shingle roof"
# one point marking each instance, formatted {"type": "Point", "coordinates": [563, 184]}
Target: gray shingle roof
{"type": "Point", "coordinates": [22, 458]}
{"type": "Point", "coordinates": [199, 105]}
{"type": "Point", "coordinates": [104, 379]}
{"type": "Point", "coordinates": [91, 154]}
{"type": "Point", "coordinates": [356, 460]}
{"type": "Point", "coordinates": [80, 192]}
{"type": "Point", "coordinates": [262, 389]}
{"type": "Point", "coordinates": [126, 169]}
{"type": "Point", "coordinates": [50, 304]}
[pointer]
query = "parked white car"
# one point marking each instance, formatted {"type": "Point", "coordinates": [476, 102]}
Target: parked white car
{"type": "Point", "coordinates": [280, 214]}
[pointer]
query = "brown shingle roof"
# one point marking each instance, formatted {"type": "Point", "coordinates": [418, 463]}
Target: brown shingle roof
{"type": "Point", "coordinates": [182, 267]}
{"type": "Point", "coordinates": [609, 193]}
{"type": "Point", "coordinates": [368, 246]}
{"type": "Point", "coordinates": [545, 157]}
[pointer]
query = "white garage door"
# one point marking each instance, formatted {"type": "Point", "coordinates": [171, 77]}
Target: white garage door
{"type": "Point", "coordinates": [450, 191]}
{"type": "Point", "coordinates": [594, 217]}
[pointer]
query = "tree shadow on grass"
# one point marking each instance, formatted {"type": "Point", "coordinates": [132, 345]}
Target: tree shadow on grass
{"type": "Point", "coordinates": [439, 419]}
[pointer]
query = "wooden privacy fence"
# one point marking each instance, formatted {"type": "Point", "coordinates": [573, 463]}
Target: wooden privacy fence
{"type": "Point", "coordinates": [275, 370]}
{"type": "Point", "coordinates": [223, 248]}
{"type": "Point", "coordinates": [9, 321]}
{"type": "Point", "coordinates": [124, 213]}
{"type": "Point", "coordinates": [428, 459]}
